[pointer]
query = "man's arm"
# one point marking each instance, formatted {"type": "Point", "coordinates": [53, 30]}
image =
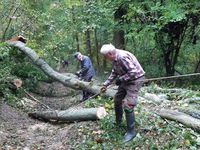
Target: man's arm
{"type": "Point", "coordinates": [110, 79]}
{"type": "Point", "coordinates": [85, 66]}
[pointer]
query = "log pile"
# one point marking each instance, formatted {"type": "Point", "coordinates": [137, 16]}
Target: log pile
{"type": "Point", "coordinates": [70, 115]}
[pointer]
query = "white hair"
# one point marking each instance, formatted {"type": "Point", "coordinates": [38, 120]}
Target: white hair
{"type": "Point", "coordinates": [107, 48]}
{"type": "Point", "coordinates": [77, 54]}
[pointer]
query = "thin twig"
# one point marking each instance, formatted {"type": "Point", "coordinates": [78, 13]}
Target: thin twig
{"type": "Point", "coordinates": [94, 96]}
{"type": "Point", "coordinates": [33, 98]}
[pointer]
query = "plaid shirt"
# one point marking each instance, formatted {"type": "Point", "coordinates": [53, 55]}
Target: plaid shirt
{"type": "Point", "coordinates": [126, 67]}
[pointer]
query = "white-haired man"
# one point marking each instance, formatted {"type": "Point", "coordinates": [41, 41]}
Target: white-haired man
{"type": "Point", "coordinates": [129, 76]}
{"type": "Point", "coordinates": [86, 73]}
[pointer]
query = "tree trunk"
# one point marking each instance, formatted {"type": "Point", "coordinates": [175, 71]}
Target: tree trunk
{"type": "Point", "coordinates": [104, 41]}
{"type": "Point", "coordinates": [76, 33]}
{"type": "Point", "coordinates": [197, 70]}
{"type": "Point", "coordinates": [97, 47]}
{"type": "Point", "coordinates": [180, 117]}
{"type": "Point", "coordinates": [88, 43]}
{"type": "Point", "coordinates": [67, 79]}
{"type": "Point", "coordinates": [70, 115]}
{"type": "Point", "coordinates": [77, 43]}
{"type": "Point", "coordinates": [169, 40]}
{"type": "Point", "coordinates": [119, 40]}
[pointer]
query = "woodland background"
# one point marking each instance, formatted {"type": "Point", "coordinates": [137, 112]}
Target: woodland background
{"type": "Point", "coordinates": [163, 34]}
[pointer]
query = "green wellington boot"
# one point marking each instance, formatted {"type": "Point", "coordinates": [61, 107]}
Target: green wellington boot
{"type": "Point", "coordinates": [130, 121]}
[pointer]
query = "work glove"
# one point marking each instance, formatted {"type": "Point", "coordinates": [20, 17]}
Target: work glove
{"type": "Point", "coordinates": [118, 81]}
{"type": "Point", "coordinates": [103, 89]}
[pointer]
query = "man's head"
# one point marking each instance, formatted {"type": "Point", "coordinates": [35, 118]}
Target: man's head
{"type": "Point", "coordinates": [78, 56]}
{"type": "Point", "coordinates": [108, 51]}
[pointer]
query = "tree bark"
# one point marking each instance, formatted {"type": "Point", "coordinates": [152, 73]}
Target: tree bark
{"type": "Point", "coordinates": [180, 117]}
{"type": "Point", "coordinates": [197, 70]}
{"type": "Point", "coordinates": [97, 48]}
{"type": "Point", "coordinates": [70, 115]}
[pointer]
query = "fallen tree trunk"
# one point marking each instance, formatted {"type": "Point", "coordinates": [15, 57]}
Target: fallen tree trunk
{"type": "Point", "coordinates": [180, 117]}
{"type": "Point", "coordinates": [70, 115]}
{"type": "Point", "coordinates": [67, 79]}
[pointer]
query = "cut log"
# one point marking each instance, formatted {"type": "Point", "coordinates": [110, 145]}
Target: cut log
{"type": "Point", "coordinates": [70, 115]}
{"type": "Point", "coordinates": [18, 38]}
{"type": "Point", "coordinates": [180, 117]}
{"type": "Point", "coordinates": [15, 84]}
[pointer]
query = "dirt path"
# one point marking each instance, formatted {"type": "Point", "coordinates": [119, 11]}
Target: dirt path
{"type": "Point", "coordinates": [18, 131]}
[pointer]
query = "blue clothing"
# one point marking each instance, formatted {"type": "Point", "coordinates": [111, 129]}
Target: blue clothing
{"type": "Point", "coordinates": [87, 71]}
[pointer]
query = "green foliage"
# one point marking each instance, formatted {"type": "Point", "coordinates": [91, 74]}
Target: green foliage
{"type": "Point", "coordinates": [51, 28]}
{"type": "Point", "coordinates": [15, 65]}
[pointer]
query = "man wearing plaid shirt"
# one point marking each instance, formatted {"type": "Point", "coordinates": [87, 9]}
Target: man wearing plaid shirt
{"type": "Point", "coordinates": [128, 75]}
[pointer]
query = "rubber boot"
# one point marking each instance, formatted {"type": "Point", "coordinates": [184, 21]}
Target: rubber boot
{"type": "Point", "coordinates": [118, 115]}
{"type": "Point", "coordinates": [130, 121]}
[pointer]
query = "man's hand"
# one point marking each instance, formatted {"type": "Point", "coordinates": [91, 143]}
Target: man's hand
{"type": "Point", "coordinates": [118, 81]}
{"type": "Point", "coordinates": [103, 89]}
{"type": "Point", "coordinates": [77, 74]}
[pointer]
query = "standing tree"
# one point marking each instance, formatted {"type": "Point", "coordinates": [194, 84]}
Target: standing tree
{"type": "Point", "coordinates": [119, 40]}
{"type": "Point", "coordinates": [169, 39]}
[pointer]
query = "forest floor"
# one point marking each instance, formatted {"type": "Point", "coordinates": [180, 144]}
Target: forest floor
{"type": "Point", "coordinates": [19, 131]}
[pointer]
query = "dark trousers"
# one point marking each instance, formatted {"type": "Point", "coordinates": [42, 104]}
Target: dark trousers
{"type": "Point", "coordinates": [127, 92]}
{"type": "Point", "coordinates": [86, 93]}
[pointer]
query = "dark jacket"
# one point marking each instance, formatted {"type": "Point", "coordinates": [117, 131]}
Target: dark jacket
{"type": "Point", "coordinates": [87, 71]}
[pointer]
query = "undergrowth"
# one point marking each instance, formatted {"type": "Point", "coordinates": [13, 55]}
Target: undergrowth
{"type": "Point", "coordinates": [154, 133]}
